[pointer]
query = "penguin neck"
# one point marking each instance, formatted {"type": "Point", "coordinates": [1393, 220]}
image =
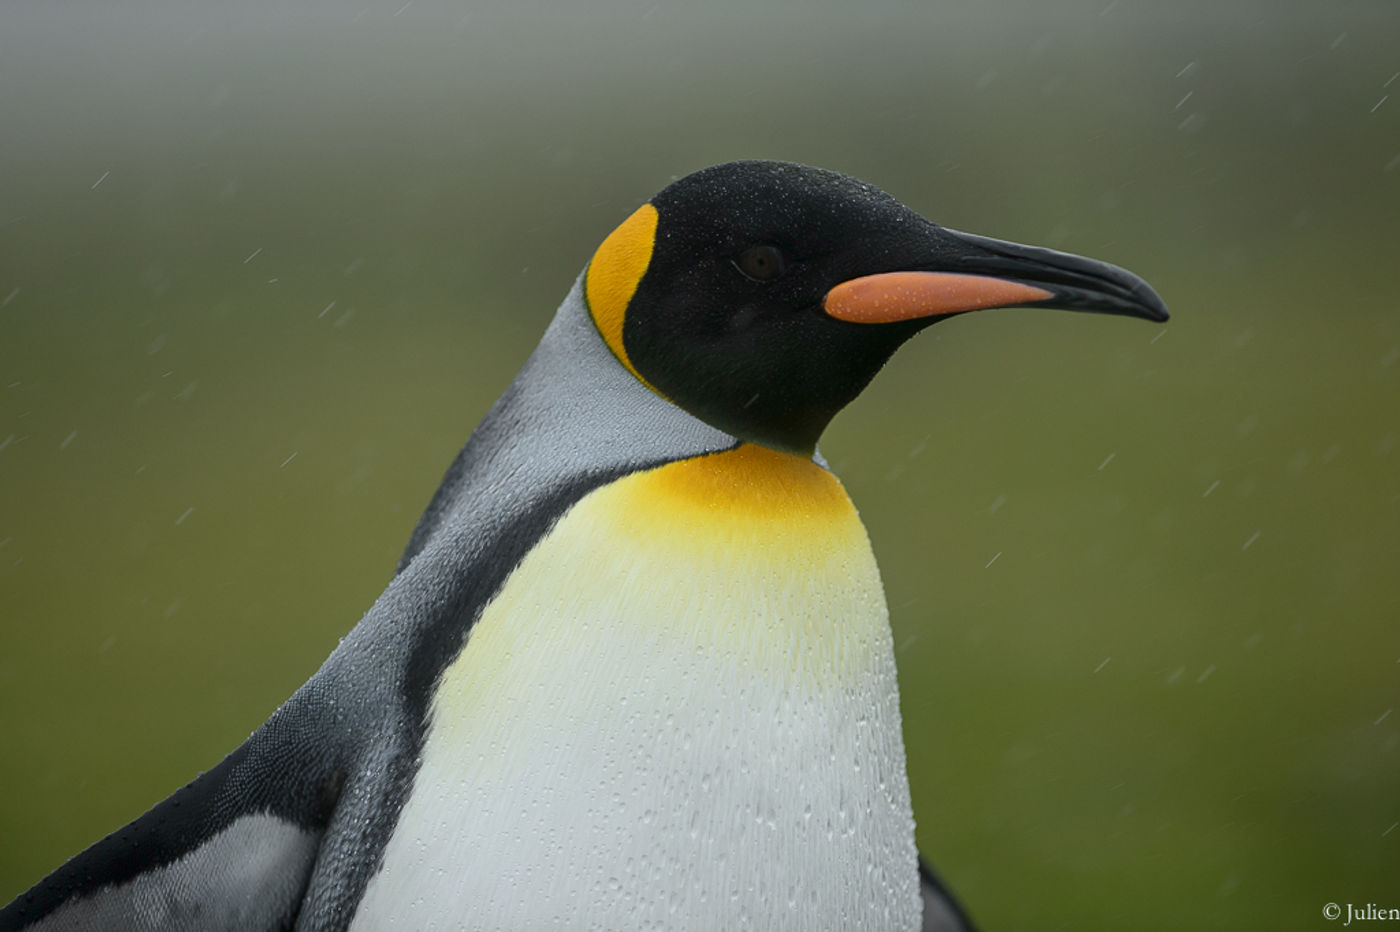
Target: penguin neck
{"type": "Point", "coordinates": [572, 411]}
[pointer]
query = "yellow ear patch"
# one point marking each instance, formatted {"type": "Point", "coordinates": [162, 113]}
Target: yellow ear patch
{"type": "Point", "coordinates": [613, 275]}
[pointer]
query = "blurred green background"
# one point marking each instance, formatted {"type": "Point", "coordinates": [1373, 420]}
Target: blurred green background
{"type": "Point", "coordinates": [263, 267]}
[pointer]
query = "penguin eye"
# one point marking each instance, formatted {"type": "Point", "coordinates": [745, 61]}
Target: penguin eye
{"type": "Point", "coordinates": [761, 263]}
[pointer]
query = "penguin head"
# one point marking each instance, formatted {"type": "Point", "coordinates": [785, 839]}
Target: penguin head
{"type": "Point", "coordinates": [762, 297]}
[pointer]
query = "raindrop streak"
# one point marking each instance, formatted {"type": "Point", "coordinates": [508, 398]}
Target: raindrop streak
{"type": "Point", "coordinates": [1379, 102]}
{"type": "Point", "coordinates": [1252, 538]}
{"type": "Point", "coordinates": [1183, 100]}
{"type": "Point", "coordinates": [1213, 486]}
{"type": "Point", "coordinates": [1107, 459]}
{"type": "Point", "coordinates": [1384, 715]}
{"type": "Point", "coordinates": [253, 255]}
{"type": "Point", "coordinates": [288, 459]}
{"type": "Point", "coordinates": [9, 297]}
{"type": "Point", "coordinates": [99, 181]}
{"type": "Point", "coordinates": [188, 511]}
{"type": "Point", "coordinates": [1192, 123]}
{"type": "Point", "coordinates": [992, 560]}
{"type": "Point", "coordinates": [1205, 674]}
{"type": "Point", "coordinates": [69, 439]}
{"type": "Point", "coordinates": [1103, 664]}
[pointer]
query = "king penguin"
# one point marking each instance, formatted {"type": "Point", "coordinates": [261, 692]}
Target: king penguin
{"type": "Point", "coordinates": [634, 669]}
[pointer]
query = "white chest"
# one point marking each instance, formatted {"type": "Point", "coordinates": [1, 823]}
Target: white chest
{"type": "Point", "coordinates": [680, 712]}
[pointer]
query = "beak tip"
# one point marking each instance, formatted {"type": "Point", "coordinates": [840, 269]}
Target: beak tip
{"type": "Point", "coordinates": [1153, 307]}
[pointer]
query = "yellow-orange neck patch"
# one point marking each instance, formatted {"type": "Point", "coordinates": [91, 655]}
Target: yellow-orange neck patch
{"type": "Point", "coordinates": [750, 484]}
{"type": "Point", "coordinates": [613, 275]}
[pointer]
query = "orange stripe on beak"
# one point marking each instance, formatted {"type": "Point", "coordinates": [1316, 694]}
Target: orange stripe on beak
{"type": "Point", "coordinates": [892, 296]}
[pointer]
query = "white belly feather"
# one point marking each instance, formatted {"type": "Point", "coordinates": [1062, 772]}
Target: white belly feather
{"type": "Point", "coordinates": [680, 712]}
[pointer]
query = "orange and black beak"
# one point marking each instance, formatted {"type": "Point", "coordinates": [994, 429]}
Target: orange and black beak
{"type": "Point", "coordinates": [976, 272]}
